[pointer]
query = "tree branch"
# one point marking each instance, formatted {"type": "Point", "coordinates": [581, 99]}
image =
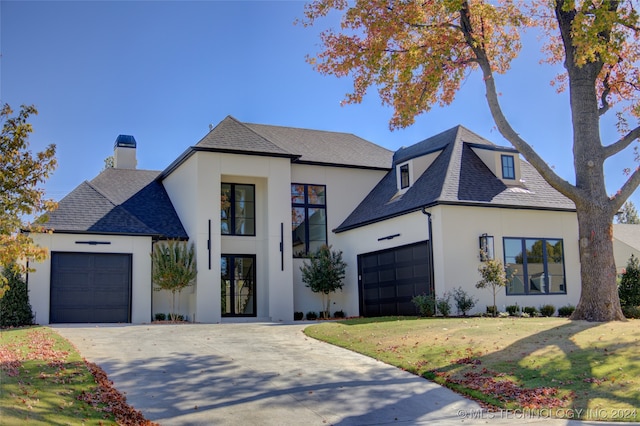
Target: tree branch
{"type": "Point", "coordinates": [622, 143]}
{"type": "Point", "coordinates": [501, 121]}
{"type": "Point", "coordinates": [605, 93]}
{"type": "Point", "coordinates": [626, 190]}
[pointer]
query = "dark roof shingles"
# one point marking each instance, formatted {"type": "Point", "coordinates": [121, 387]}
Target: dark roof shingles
{"type": "Point", "coordinates": [456, 176]}
{"type": "Point", "coordinates": [118, 201]}
{"type": "Point", "coordinates": [311, 146]}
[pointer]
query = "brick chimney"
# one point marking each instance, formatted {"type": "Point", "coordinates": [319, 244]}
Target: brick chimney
{"type": "Point", "coordinates": [124, 152]}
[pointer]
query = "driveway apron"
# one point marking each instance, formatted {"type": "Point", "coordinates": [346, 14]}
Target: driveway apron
{"type": "Point", "coordinates": [257, 374]}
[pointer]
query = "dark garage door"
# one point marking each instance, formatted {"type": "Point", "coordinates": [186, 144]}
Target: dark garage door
{"type": "Point", "coordinates": [389, 279]}
{"type": "Point", "coordinates": [90, 287]}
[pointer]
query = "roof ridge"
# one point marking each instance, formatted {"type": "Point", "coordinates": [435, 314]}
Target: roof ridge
{"type": "Point", "coordinates": [455, 144]}
{"type": "Point", "coordinates": [307, 129]}
{"type": "Point", "coordinates": [101, 193]}
{"type": "Point", "coordinates": [258, 134]}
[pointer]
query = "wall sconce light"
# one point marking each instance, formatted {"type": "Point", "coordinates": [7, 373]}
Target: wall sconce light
{"type": "Point", "coordinates": [486, 247]}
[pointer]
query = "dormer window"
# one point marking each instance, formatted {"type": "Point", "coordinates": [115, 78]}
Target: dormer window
{"type": "Point", "coordinates": [404, 176]}
{"type": "Point", "coordinates": [508, 167]}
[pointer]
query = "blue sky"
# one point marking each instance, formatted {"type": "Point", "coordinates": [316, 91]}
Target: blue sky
{"type": "Point", "coordinates": [163, 71]}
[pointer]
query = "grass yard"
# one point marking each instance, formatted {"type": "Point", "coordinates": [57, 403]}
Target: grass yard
{"type": "Point", "coordinates": [44, 381]}
{"type": "Point", "coordinates": [550, 366]}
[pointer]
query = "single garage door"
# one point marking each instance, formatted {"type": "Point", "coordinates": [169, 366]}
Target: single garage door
{"type": "Point", "coordinates": [90, 287]}
{"type": "Point", "coordinates": [389, 279]}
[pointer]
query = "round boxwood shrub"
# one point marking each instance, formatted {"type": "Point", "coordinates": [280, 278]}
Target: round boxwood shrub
{"type": "Point", "coordinates": [566, 311]}
{"type": "Point", "coordinates": [547, 310]}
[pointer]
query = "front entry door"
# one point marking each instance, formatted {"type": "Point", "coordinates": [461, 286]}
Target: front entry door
{"type": "Point", "coordinates": [238, 285]}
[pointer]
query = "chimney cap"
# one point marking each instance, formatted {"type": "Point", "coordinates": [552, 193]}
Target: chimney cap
{"type": "Point", "coordinates": [125, 141]}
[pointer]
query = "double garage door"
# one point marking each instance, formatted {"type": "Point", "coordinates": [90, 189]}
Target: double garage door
{"type": "Point", "coordinates": [389, 279]}
{"type": "Point", "coordinates": [90, 287]}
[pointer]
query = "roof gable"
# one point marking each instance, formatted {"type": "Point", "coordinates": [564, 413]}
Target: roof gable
{"type": "Point", "coordinates": [300, 145]}
{"type": "Point", "coordinates": [232, 135]}
{"type": "Point", "coordinates": [457, 176]}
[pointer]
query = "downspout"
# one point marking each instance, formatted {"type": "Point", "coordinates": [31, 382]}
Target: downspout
{"type": "Point", "coordinates": [153, 246]}
{"type": "Point", "coordinates": [431, 272]}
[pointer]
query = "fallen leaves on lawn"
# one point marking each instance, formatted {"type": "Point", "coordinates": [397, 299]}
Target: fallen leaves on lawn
{"type": "Point", "coordinates": [40, 347]}
{"type": "Point", "coordinates": [109, 399]}
{"type": "Point", "coordinates": [507, 391]}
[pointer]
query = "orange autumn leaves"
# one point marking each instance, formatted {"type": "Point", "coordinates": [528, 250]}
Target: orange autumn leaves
{"type": "Point", "coordinates": [417, 54]}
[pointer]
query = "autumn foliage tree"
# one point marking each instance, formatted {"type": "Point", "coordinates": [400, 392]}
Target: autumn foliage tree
{"type": "Point", "coordinates": [21, 173]}
{"type": "Point", "coordinates": [419, 53]}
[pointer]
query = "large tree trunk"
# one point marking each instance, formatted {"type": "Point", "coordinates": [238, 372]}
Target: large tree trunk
{"type": "Point", "coordinates": [599, 299]}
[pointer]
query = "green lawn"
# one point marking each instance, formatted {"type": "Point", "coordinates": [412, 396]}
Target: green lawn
{"type": "Point", "coordinates": [551, 366]}
{"type": "Point", "coordinates": [41, 378]}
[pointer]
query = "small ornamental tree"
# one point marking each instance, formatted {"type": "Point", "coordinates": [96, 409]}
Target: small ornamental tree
{"type": "Point", "coordinates": [494, 278]}
{"type": "Point", "coordinates": [174, 269]}
{"type": "Point", "coordinates": [324, 273]}
{"type": "Point", "coordinates": [15, 310]}
{"type": "Point", "coordinates": [629, 289]}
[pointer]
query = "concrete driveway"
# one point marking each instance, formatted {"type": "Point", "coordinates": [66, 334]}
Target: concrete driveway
{"type": "Point", "coordinates": [260, 374]}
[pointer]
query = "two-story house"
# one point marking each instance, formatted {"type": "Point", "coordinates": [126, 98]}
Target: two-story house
{"type": "Point", "coordinates": [256, 199]}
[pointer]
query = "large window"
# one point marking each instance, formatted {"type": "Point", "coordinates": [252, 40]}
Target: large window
{"type": "Point", "coordinates": [308, 218]}
{"type": "Point", "coordinates": [508, 167]}
{"type": "Point", "coordinates": [237, 209]}
{"type": "Point", "coordinates": [238, 285]}
{"type": "Point", "coordinates": [534, 265]}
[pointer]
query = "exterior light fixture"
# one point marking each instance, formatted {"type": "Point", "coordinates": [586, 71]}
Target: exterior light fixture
{"type": "Point", "coordinates": [486, 247]}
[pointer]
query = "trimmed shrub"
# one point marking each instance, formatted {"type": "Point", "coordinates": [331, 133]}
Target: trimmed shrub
{"type": "Point", "coordinates": [15, 309]}
{"type": "Point", "coordinates": [426, 304]}
{"type": "Point", "coordinates": [160, 316]}
{"type": "Point", "coordinates": [566, 311]}
{"type": "Point", "coordinates": [443, 307]}
{"type": "Point", "coordinates": [312, 315]}
{"type": "Point", "coordinates": [297, 316]}
{"type": "Point", "coordinates": [513, 310]}
{"type": "Point", "coordinates": [547, 310]}
{"type": "Point", "coordinates": [532, 311]}
{"type": "Point", "coordinates": [339, 314]}
{"type": "Point", "coordinates": [492, 310]}
{"type": "Point", "coordinates": [464, 301]}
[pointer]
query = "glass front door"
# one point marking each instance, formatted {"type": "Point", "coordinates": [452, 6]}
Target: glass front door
{"type": "Point", "coordinates": [238, 285]}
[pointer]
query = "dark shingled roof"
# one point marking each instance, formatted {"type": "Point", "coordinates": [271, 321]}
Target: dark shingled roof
{"type": "Point", "coordinates": [119, 201]}
{"type": "Point", "coordinates": [301, 145]}
{"type": "Point", "coordinates": [456, 176]}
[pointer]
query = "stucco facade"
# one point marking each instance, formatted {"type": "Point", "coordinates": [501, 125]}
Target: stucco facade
{"type": "Point", "coordinates": [138, 247]}
{"type": "Point", "coordinates": [406, 223]}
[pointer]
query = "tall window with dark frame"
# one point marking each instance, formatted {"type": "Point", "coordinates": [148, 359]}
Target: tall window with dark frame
{"type": "Point", "coordinates": [238, 285]}
{"type": "Point", "coordinates": [535, 266]}
{"type": "Point", "coordinates": [237, 209]}
{"type": "Point", "coordinates": [308, 218]}
{"type": "Point", "coordinates": [508, 167]}
{"type": "Point", "coordinates": [404, 176]}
